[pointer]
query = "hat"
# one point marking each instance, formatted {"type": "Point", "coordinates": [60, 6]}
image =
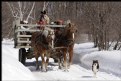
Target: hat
{"type": "Point", "coordinates": [43, 12]}
{"type": "Point", "coordinates": [60, 21]}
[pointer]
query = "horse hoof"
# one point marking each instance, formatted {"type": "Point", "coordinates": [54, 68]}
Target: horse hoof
{"type": "Point", "coordinates": [37, 68]}
{"type": "Point", "coordinates": [44, 70]}
{"type": "Point", "coordinates": [60, 67]}
{"type": "Point", "coordinates": [66, 70]}
{"type": "Point", "coordinates": [68, 67]}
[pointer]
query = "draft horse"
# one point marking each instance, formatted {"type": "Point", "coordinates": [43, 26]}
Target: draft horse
{"type": "Point", "coordinates": [66, 40]}
{"type": "Point", "coordinates": [42, 43]}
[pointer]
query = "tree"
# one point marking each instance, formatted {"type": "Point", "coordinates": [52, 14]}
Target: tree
{"type": "Point", "coordinates": [22, 10]}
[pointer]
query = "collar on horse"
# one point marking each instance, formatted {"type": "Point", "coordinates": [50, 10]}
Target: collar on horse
{"type": "Point", "coordinates": [41, 40]}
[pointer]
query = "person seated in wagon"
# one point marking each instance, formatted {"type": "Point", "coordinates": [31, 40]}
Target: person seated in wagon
{"type": "Point", "coordinates": [57, 29]}
{"type": "Point", "coordinates": [44, 19]}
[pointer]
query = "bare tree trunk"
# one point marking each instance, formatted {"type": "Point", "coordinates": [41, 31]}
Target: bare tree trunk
{"type": "Point", "coordinates": [30, 11]}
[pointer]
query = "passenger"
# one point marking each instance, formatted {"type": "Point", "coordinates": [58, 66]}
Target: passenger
{"type": "Point", "coordinates": [58, 30]}
{"type": "Point", "coordinates": [59, 22]}
{"type": "Point", "coordinates": [44, 19]}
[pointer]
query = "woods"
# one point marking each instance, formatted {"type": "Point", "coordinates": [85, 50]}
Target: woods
{"type": "Point", "coordinates": [100, 20]}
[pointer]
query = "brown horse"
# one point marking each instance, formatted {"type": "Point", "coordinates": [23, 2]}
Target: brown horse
{"type": "Point", "coordinates": [66, 39]}
{"type": "Point", "coordinates": [42, 43]}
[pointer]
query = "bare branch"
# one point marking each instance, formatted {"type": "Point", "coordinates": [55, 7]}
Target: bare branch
{"type": "Point", "coordinates": [24, 6]}
{"type": "Point", "coordinates": [26, 10]}
{"type": "Point", "coordinates": [45, 5]}
{"type": "Point", "coordinates": [30, 12]}
{"type": "Point", "coordinates": [32, 18]}
{"type": "Point", "coordinates": [6, 21]}
{"type": "Point", "coordinates": [21, 14]}
{"type": "Point", "coordinates": [10, 8]}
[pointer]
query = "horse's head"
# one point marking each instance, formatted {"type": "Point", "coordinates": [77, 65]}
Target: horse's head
{"type": "Point", "coordinates": [70, 30]}
{"type": "Point", "coordinates": [49, 34]}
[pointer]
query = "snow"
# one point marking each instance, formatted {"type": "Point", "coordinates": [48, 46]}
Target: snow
{"type": "Point", "coordinates": [110, 65]}
{"type": "Point", "coordinates": [110, 61]}
{"type": "Point", "coordinates": [25, 21]}
{"type": "Point", "coordinates": [12, 69]}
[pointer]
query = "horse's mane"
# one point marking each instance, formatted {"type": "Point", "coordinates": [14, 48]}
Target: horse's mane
{"type": "Point", "coordinates": [69, 26]}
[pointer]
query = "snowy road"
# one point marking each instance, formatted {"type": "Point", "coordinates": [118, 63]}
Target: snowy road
{"type": "Point", "coordinates": [76, 72]}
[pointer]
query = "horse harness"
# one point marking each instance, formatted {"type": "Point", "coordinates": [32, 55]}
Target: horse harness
{"type": "Point", "coordinates": [42, 38]}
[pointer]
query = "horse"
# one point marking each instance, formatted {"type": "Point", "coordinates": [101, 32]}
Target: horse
{"type": "Point", "coordinates": [42, 43]}
{"type": "Point", "coordinates": [66, 40]}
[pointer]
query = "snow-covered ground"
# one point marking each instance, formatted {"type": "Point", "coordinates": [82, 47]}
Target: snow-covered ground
{"type": "Point", "coordinates": [110, 65]}
{"type": "Point", "coordinates": [110, 61]}
{"type": "Point", "coordinates": [12, 69]}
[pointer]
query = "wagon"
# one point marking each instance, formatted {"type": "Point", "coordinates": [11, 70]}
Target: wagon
{"type": "Point", "coordinates": [22, 38]}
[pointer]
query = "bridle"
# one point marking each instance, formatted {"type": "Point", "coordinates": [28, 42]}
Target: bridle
{"type": "Point", "coordinates": [51, 35]}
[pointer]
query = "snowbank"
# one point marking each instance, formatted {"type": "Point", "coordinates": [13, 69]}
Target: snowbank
{"type": "Point", "coordinates": [12, 69]}
{"type": "Point", "coordinates": [110, 61]}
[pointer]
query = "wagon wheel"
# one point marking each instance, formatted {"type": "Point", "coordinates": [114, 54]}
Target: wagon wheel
{"type": "Point", "coordinates": [55, 60]}
{"type": "Point", "coordinates": [22, 55]}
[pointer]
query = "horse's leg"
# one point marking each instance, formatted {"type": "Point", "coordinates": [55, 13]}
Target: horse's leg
{"type": "Point", "coordinates": [59, 64]}
{"type": "Point", "coordinates": [65, 59]}
{"type": "Point", "coordinates": [37, 65]}
{"type": "Point", "coordinates": [59, 60]}
{"type": "Point", "coordinates": [43, 62]}
{"type": "Point", "coordinates": [47, 60]}
{"type": "Point", "coordinates": [62, 59]}
{"type": "Point", "coordinates": [70, 55]}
